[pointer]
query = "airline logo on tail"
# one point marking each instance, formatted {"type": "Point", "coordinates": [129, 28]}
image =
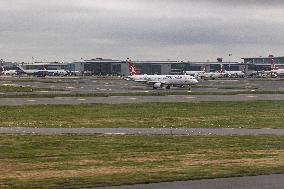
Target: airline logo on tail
{"type": "Point", "coordinates": [273, 65]}
{"type": "Point", "coordinates": [221, 68]}
{"type": "Point", "coordinates": [205, 68]}
{"type": "Point", "coordinates": [132, 68]}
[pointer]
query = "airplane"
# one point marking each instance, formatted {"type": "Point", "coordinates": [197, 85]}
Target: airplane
{"type": "Point", "coordinates": [43, 72]}
{"type": "Point", "coordinates": [213, 75]}
{"type": "Point", "coordinates": [275, 69]}
{"type": "Point", "coordinates": [195, 73]}
{"type": "Point", "coordinates": [9, 72]}
{"type": "Point", "coordinates": [159, 81]}
{"type": "Point", "coordinates": [234, 73]}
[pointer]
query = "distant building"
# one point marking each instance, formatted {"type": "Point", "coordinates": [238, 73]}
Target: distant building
{"type": "Point", "coordinates": [44, 65]}
{"type": "Point", "coordinates": [177, 67]}
{"type": "Point", "coordinates": [100, 66]}
{"type": "Point", "coordinates": [263, 63]}
{"type": "Point", "coordinates": [6, 64]}
{"type": "Point", "coordinates": [156, 67]}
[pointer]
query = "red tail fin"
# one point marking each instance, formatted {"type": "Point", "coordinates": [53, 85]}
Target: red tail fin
{"type": "Point", "coordinates": [205, 68]}
{"type": "Point", "coordinates": [132, 68]}
{"type": "Point", "coordinates": [221, 68]}
{"type": "Point", "coordinates": [273, 65]}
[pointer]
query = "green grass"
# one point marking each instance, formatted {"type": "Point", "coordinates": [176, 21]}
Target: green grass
{"type": "Point", "coordinates": [44, 161]}
{"type": "Point", "coordinates": [251, 114]}
{"type": "Point", "coordinates": [19, 88]}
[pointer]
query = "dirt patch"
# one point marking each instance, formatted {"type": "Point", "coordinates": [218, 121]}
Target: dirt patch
{"type": "Point", "coordinates": [89, 167]}
{"type": "Point", "coordinates": [7, 166]}
{"type": "Point", "coordinates": [277, 159]}
{"type": "Point", "coordinates": [45, 174]}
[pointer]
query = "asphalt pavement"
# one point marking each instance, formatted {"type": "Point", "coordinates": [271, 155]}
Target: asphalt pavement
{"type": "Point", "coordinates": [248, 182]}
{"type": "Point", "coordinates": [139, 99]}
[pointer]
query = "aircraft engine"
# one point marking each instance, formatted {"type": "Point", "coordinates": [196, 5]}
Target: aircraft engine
{"type": "Point", "coordinates": [157, 85]}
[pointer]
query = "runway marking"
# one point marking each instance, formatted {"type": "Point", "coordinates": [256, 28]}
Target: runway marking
{"type": "Point", "coordinates": [189, 97]}
{"type": "Point", "coordinates": [70, 87]}
{"type": "Point", "coordinates": [43, 91]}
{"type": "Point", "coordinates": [251, 96]}
{"type": "Point", "coordinates": [31, 100]}
{"type": "Point", "coordinates": [132, 98]}
{"type": "Point", "coordinates": [81, 99]}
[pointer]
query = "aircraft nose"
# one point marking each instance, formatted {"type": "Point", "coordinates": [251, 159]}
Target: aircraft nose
{"type": "Point", "coordinates": [195, 81]}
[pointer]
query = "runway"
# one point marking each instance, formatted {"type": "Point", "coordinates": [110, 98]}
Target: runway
{"type": "Point", "coordinates": [143, 131]}
{"type": "Point", "coordinates": [119, 85]}
{"type": "Point", "coordinates": [248, 182]}
{"type": "Point", "coordinates": [139, 99]}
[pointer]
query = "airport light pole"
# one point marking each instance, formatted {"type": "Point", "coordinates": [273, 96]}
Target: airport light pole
{"type": "Point", "coordinates": [230, 62]}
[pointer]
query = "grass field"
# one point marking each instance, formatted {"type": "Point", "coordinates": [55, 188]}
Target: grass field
{"type": "Point", "coordinates": [43, 161]}
{"type": "Point", "coordinates": [251, 114]}
{"type": "Point", "coordinates": [19, 88]}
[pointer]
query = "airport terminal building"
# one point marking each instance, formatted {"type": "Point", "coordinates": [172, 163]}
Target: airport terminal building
{"type": "Point", "coordinates": [263, 63]}
{"type": "Point", "coordinates": [100, 66]}
{"type": "Point", "coordinates": [104, 67]}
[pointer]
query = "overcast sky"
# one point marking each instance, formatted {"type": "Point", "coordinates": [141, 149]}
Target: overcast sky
{"type": "Point", "coordinates": [194, 30]}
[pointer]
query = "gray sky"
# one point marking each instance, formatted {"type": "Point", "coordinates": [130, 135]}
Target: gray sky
{"type": "Point", "coordinates": [195, 30]}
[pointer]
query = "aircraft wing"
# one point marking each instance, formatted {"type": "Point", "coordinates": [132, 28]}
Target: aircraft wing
{"type": "Point", "coordinates": [141, 80]}
{"type": "Point", "coordinates": [153, 82]}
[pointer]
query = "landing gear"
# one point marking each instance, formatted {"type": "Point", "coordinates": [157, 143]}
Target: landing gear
{"type": "Point", "coordinates": [168, 87]}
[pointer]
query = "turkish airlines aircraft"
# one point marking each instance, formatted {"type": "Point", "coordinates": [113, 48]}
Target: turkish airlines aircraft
{"type": "Point", "coordinates": [213, 75]}
{"type": "Point", "coordinates": [159, 81]}
{"type": "Point", "coordinates": [275, 69]}
{"type": "Point", "coordinates": [195, 73]}
{"type": "Point", "coordinates": [235, 73]}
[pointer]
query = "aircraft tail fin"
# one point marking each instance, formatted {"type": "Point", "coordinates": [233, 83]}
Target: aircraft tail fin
{"type": "Point", "coordinates": [205, 68]}
{"type": "Point", "coordinates": [273, 65]}
{"type": "Point", "coordinates": [132, 68]}
{"type": "Point", "coordinates": [221, 68]}
{"type": "Point", "coordinates": [21, 68]}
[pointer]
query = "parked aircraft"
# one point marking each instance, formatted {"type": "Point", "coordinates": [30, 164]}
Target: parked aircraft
{"type": "Point", "coordinates": [9, 72]}
{"type": "Point", "coordinates": [234, 73]}
{"type": "Point", "coordinates": [43, 72]}
{"type": "Point", "coordinates": [194, 73]}
{"type": "Point", "coordinates": [213, 75]}
{"type": "Point", "coordinates": [275, 69]}
{"type": "Point", "coordinates": [159, 81]}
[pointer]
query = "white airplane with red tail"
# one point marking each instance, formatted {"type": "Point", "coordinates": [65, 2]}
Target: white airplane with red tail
{"type": "Point", "coordinates": [275, 69]}
{"type": "Point", "coordinates": [159, 81]}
